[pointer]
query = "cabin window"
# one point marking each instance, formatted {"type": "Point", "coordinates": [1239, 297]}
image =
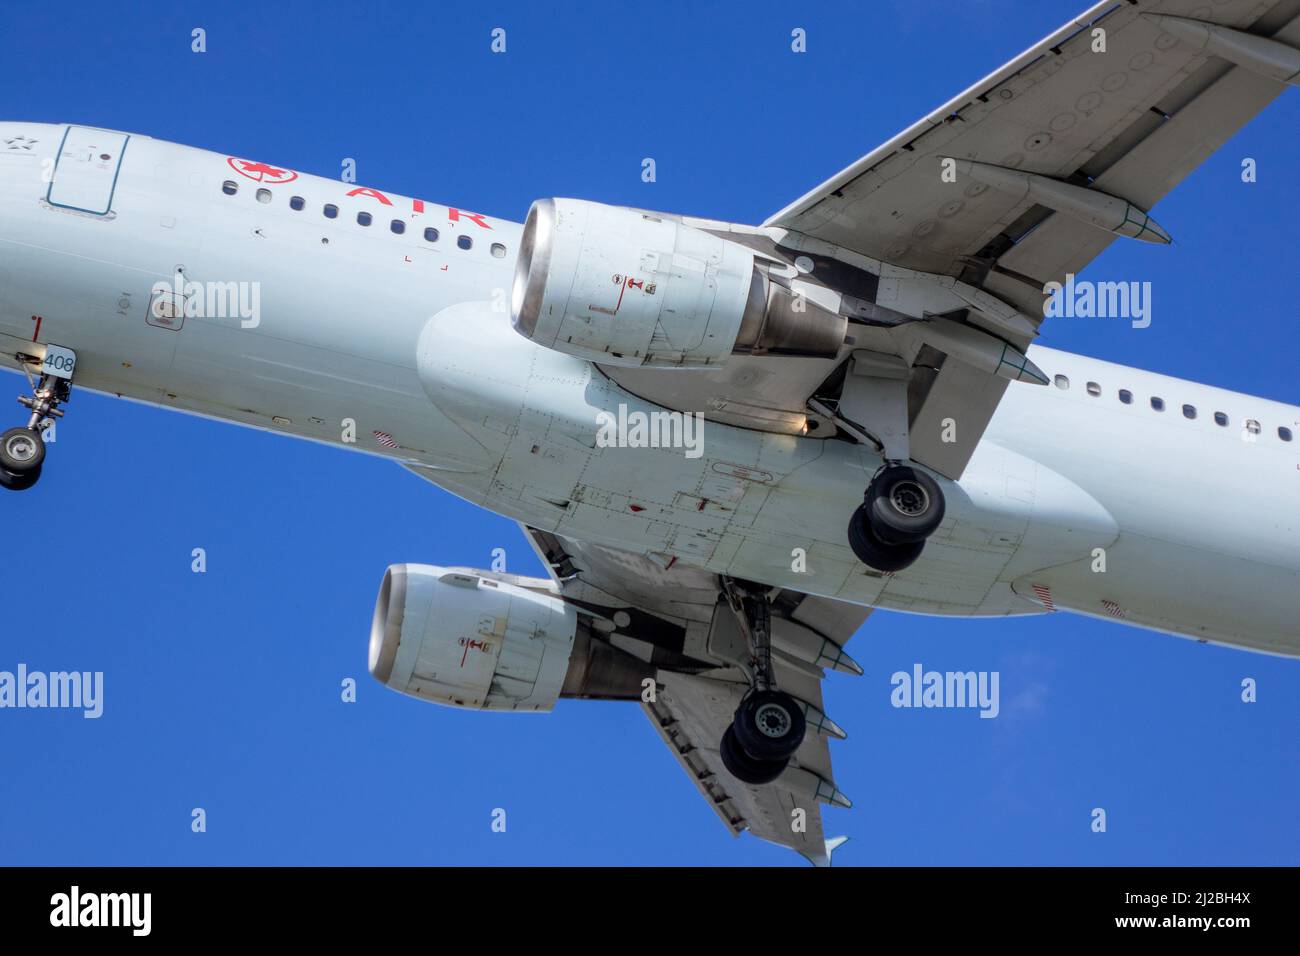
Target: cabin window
{"type": "Point", "coordinates": [1094, 389]}
{"type": "Point", "coordinates": [398, 226]}
{"type": "Point", "coordinates": [498, 250]}
{"type": "Point", "coordinates": [1126, 396]}
{"type": "Point", "coordinates": [464, 241]}
{"type": "Point", "coordinates": [430, 234]}
{"type": "Point", "coordinates": [1252, 426]}
{"type": "Point", "coordinates": [264, 195]}
{"type": "Point", "coordinates": [230, 187]}
{"type": "Point", "coordinates": [1062, 382]}
{"type": "Point", "coordinates": [1221, 419]}
{"type": "Point", "coordinates": [363, 218]}
{"type": "Point", "coordinates": [1189, 411]}
{"type": "Point", "coordinates": [331, 211]}
{"type": "Point", "coordinates": [296, 203]}
{"type": "Point", "coordinates": [1158, 403]}
{"type": "Point", "coordinates": [1283, 433]}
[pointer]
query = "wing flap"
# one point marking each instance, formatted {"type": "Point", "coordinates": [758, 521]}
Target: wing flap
{"type": "Point", "coordinates": [1145, 173]}
{"type": "Point", "coordinates": [1131, 122]}
{"type": "Point", "coordinates": [1060, 109]}
{"type": "Point", "coordinates": [691, 713]}
{"type": "Point", "coordinates": [692, 710]}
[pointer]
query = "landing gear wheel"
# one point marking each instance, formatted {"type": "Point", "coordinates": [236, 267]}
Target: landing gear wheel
{"type": "Point", "coordinates": [904, 504]}
{"type": "Point", "coordinates": [742, 766]}
{"type": "Point", "coordinates": [18, 482]}
{"type": "Point", "coordinates": [22, 451]}
{"type": "Point", "coordinates": [769, 725]}
{"type": "Point", "coordinates": [875, 553]}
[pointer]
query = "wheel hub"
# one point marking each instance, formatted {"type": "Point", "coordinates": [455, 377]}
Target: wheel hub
{"type": "Point", "coordinates": [772, 721]}
{"type": "Point", "coordinates": [21, 448]}
{"type": "Point", "coordinates": [909, 498]}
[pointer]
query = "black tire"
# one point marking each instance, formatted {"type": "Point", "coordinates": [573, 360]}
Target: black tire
{"type": "Point", "coordinates": [875, 553]}
{"type": "Point", "coordinates": [18, 482]}
{"type": "Point", "coordinates": [769, 725]}
{"type": "Point", "coordinates": [904, 504]}
{"type": "Point", "coordinates": [744, 767]}
{"type": "Point", "coordinates": [22, 451]}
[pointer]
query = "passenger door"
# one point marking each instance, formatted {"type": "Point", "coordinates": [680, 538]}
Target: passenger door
{"type": "Point", "coordinates": [85, 171]}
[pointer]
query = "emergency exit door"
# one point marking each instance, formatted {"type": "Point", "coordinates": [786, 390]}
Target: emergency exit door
{"type": "Point", "coordinates": [85, 171]}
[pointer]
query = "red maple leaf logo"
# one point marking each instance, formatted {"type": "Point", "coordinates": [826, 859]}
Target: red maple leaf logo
{"type": "Point", "coordinates": [261, 172]}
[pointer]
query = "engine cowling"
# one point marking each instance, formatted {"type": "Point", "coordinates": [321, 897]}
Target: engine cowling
{"type": "Point", "coordinates": [628, 288]}
{"type": "Point", "coordinates": [461, 638]}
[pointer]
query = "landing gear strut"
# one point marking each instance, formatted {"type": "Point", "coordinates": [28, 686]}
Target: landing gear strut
{"type": "Point", "coordinates": [769, 725]}
{"type": "Point", "coordinates": [901, 508]}
{"type": "Point", "coordinates": [22, 450]}
{"type": "Point", "coordinates": [903, 505]}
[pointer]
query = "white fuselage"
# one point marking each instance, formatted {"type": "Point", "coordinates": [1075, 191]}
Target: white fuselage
{"type": "Point", "coordinates": [367, 338]}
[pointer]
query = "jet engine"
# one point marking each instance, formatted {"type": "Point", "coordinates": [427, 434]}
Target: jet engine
{"type": "Point", "coordinates": [629, 288]}
{"type": "Point", "coordinates": [461, 638]}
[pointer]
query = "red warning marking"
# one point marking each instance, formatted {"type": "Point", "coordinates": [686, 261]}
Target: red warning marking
{"type": "Point", "coordinates": [1044, 594]}
{"type": "Point", "coordinates": [467, 643]}
{"type": "Point", "coordinates": [624, 283]}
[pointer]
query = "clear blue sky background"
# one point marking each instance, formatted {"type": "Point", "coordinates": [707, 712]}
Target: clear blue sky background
{"type": "Point", "coordinates": [223, 689]}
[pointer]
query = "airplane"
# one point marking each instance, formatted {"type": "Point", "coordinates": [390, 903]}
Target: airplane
{"type": "Point", "coordinates": [726, 443]}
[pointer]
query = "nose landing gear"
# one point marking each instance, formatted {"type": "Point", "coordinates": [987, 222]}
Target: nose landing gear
{"type": "Point", "coordinates": [901, 508]}
{"type": "Point", "coordinates": [22, 450]}
{"type": "Point", "coordinates": [769, 725]}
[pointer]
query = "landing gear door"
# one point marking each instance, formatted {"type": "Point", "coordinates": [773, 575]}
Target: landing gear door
{"type": "Point", "coordinates": [85, 172]}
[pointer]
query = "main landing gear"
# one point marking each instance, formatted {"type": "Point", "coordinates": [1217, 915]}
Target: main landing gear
{"type": "Point", "coordinates": [769, 725]}
{"type": "Point", "coordinates": [901, 508]}
{"type": "Point", "coordinates": [22, 450]}
{"type": "Point", "coordinates": [903, 505]}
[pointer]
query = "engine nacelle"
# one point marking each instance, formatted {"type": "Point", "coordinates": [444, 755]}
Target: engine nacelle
{"type": "Point", "coordinates": [457, 638]}
{"type": "Point", "coordinates": [628, 288]}
{"type": "Point", "coordinates": [466, 639]}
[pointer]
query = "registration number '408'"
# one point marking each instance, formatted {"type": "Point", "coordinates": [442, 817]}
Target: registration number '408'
{"type": "Point", "coordinates": [59, 361]}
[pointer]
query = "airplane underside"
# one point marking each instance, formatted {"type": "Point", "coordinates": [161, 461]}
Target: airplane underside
{"type": "Point", "coordinates": [726, 443]}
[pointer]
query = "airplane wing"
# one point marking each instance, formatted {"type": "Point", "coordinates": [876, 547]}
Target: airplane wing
{"type": "Point", "coordinates": [1123, 101]}
{"type": "Point", "coordinates": [691, 636]}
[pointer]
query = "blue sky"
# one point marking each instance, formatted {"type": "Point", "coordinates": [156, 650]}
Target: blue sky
{"type": "Point", "coordinates": [223, 689]}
